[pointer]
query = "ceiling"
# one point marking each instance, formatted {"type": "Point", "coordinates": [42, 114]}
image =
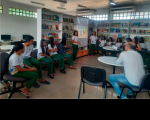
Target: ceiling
{"type": "Point", "coordinates": [72, 5]}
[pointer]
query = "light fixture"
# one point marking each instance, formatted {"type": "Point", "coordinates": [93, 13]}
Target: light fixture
{"type": "Point", "coordinates": [38, 3]}
{"type": "Point", "coordinates": [112, 3]}
{"type": "Point", "coordinates": [61, 8]}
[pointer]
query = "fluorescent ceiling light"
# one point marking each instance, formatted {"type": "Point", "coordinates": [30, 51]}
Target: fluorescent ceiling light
{"type": "Point", "coordinates": [38, 3]}
{"type": "Point", "coordinates": [113, 3]}
{"type": "Point", "coordinates": [61, 8]}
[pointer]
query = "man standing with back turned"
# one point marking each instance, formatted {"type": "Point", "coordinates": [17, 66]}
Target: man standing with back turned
{"type": "Point", "coordinates": [133, 68]}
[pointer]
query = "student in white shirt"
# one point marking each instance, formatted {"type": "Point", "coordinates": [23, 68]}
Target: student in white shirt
{"type": "Point", "coordinates": [53, 53]}
{"type": "Point", "coordinates": [109, 43]}
{"type": "Point", "coordinates": [30, 60]}
{"type": "Point", "coordinates": [42, 56]}
{"type": "Point", "coordinates": [92, 43]}
{"type": "Point", "coordinates": [141, 43]}
{"type": "Point", "coordinates": [75, 44]}
{"type": "Point", "coordinates": [18, 68]}
{"type": "Point", "coordinates": [100, 47]}
{"type": "Point", "coordinates": [133, 67]}
{"type": "Point", "coordinates": [119, 43]}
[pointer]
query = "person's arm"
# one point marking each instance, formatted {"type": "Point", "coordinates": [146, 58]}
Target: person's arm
{"type": "Point", "coordinates": [19, 68]}
{"type": "Point", "coordinates": [89, 42]}
{"type": "Point", "coordinates": [120, 59]}
{"type": "Point", "coordinates": [31, 54]}
{"type": "Point", "coordinates": [138, 47]}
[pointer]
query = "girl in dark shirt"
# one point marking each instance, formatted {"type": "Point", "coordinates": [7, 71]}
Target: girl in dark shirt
{"type": "Point", "coordinates": [63, 52]}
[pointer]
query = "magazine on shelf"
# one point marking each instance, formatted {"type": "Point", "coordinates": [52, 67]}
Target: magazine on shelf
{"type": "Point", "coordinates": [124, 24]}
{"type": "Point", "coordinates": [144, 24]}
{"type": "Point", "coordinates": [115, 24]}
{"type": "Point", "coordinates": [57, 27]}
{"type": "Point", "coordinates": [133, 31]}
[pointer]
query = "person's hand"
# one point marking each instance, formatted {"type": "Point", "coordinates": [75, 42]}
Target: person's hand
{"type": "Point", "coordinates": [33, 69]}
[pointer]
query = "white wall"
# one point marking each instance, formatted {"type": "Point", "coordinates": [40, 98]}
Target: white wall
{"type": "Point", "coordinates": [15, 25]}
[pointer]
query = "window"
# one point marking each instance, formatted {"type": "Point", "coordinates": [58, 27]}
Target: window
{"type": "Point", "coordinates": [20, 12]}
{"type": "Point", "coordinates": [130, 14]}
{"type": "Point", "coordinates": [97, 17]}
{"type": "Point", "coordinates": [1, 9]}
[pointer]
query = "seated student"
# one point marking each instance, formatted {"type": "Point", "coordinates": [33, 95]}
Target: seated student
{"type": "Point", "coordinates": [53, 53]}
{"type": "Point", "coordinates": [42, 56]}
{"type": "Point", "coordinates": [92, 43]}
{"type": "Point", "coordinates": [141, 43]}
{"type": "Point", "coordinates": [30, 60]}
{"type": "Point", "coordinates": [138, 48]}
{"type": "Point", "coordinates": [124, 44]}
{"type": "Point", "coordinates": [119, 43]}
{"type": "Point", "coordinates": [109, 43]}
{"type": "Point", "coordinates": [63, 52]}
{"type": "Point", "coordinates": [18, 68]}
{"type": "Point", "coordinates": [102, 44]}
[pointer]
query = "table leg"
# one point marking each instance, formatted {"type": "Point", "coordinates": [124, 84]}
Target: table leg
{"type": "Point", "coordinates": [114, 67]}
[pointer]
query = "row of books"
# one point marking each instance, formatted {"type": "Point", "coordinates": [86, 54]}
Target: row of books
{"type": "Point", "coordinates": [140, 31]}
{"type": "Point", "coordinates": [119, 24]}
{"type": "Point", "coordinates": [103, 30]}
{"type": "Point", "coordinates": [103, 25]}
{"type": "Point", "coordinates": [140, 24]}
{"type": "Point", "coordinates": [50, 27]}
{"type": "Point", "coordinates": [68, 20]}
{"type": "Point", "coordinates": [113, 30]}
{"type": "Point", "coordinates": [67, 35]}
{"type": "Point", "coordinates": [123, 37]}
{"type": "Point", "coordinates": [102, 34]}
{"type": "Point", "coordinates": [47, 36]}
{"type": "Point", "coordinates": [50, 17]}
{"type": "Point", "coordinates": [68, 27]}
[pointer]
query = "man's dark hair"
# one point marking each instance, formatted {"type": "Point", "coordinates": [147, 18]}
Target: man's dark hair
{"type": "Point", "coordinates": [29, 38]}
{"type": "Point", "coordinates": [131, 46]}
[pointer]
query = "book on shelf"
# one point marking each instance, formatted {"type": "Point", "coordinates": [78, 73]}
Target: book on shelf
{"type": "Point", "coordinates": [136, 24]}
{"type": "Point", "coordinates": [55, 17]}
{"type": "Point", "coordinates": [124, 24]}
{"type": "Point", "coordinates": [115, 24]}
{"type": "Point", "coordinates": [53, 27]}
{"type": "Point", "coordinates": [147, 39]}
{"type": "Point", "coordinates": [147, 31]}
{"type": "Point", "coordinates": [71, 27]}
{"type": "Point", "coordinates": [141, 31]}
{"type": "Point", "coordinates": [142, 24]}
{"type": "Point", "coordinates": [133, 31]}
{"type": "Point", "coordinates": [57, 27]}
{"type": "Point", "coordinates": [48, 17]}
{"type": "Point", "coordinates": [47, 36]}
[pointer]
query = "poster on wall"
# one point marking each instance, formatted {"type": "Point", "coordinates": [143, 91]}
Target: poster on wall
{"type": "Point", "coordinates": [83, 32]}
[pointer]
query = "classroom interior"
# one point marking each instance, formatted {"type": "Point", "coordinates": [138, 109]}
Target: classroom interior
{"type": "Point", "coordinates": [58, 18]}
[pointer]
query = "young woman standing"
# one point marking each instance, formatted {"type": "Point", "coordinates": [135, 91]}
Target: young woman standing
{"type": "Point", "coordinates": [18, 68]}
{"type": "Point", "coordinates": [53, 53]}
{"type": "Point", "coordinates": [42, 56]}
{"type": "Point", "coordinates": [92, 43]}
{"type": "Point", "coordinates": [75, 44]}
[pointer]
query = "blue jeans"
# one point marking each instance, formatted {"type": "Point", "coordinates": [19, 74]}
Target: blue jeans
{"type": "Point", "coordinates": [121, 78]}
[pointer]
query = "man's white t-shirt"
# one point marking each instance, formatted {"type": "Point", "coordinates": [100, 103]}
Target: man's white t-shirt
{"type": "Point", "coordinates": [102, 43]}
{"type": "Point", "coordinates": [39, 56]}
{"type": "Point", "coordinates": [49, 47]}
{"type": "Point", "coordinates": [27, 51]}
{"type": "Point", "coordinates": [75, 38]}
{"type": "Point", "coordinates": [93, 39]}
{"type": "Point", "coordinates": [133, 66]}
{"type": "Point", "coordinates": [14, 61]}
{"type": "Point", "coordinates": [118, 45]}
{"type": "Point", "coordinates": [142, 45]}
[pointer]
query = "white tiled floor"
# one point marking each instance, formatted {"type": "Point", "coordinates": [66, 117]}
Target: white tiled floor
{"type": "Point", "coordinates": [67, 86]}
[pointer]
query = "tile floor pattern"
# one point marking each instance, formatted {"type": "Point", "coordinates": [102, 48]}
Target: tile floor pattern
{"type": "Point", "coordinates": [67, 86]}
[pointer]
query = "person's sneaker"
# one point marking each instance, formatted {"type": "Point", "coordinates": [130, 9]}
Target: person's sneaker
{"type": "Point", "coordinates": [63, 71]}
